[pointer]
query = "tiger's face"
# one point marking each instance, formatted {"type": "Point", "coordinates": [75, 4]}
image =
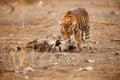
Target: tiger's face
{"type": "Point", "coordinates": [66, 30]}
{"type": "Point", "coordinates": [67, 25]}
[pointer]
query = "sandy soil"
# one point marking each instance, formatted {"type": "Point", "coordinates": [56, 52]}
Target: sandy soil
{"type": "Point", "coordinates": [41, 20]}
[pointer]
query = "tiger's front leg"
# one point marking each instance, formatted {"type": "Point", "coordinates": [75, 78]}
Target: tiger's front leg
{"type": "Point", "coordinates": [78, 40]}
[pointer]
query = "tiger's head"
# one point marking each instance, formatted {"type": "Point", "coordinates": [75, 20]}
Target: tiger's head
{"type": "Point", "coordinates": [67, 25]}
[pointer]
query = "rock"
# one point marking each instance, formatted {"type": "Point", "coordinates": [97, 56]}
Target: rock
{"type": "Point", "coordinates": [53, 13]}
{"type": "Point", "coordinates": [112, 13]}
{"type": "Point", "coordinates": [16, 71]}
{"type": "Point", "coordinates": [72, 58]}
{"type": "Point", "coordinates": [116, 53]}
{"type": "Point", "coordinates": [20, 43]}
{"type": "Point", "coordinates": [29, 69]}
{"type": "Point", "coordinates": [26, 77]}
{"type": "Point", "coordinates": [89, 68]}
{"type": "Point", "coordinates": [91, 61]}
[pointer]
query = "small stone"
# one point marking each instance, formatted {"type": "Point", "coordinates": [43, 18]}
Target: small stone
{"type": "Point", "coordinates": [29, 69]}
{"type": "Point", "coordinates": [12, 35]}
{"type": "Point", "coordinates": [26, 77]}
{"type": "Point", "coordinates": [92, 51]}
{"type": "Point", "coordinates": [16, 71]}
{"type": "Point", "coordinates": [53, 13]}
{"type": "Point", "coordinates": [19, 42]}
{"type": "Point", "coordinates": [61, 70]}
{"type": "Point", "coordinates": [55, 63]}
{"type": "Point", "coordinates": [91, 61]}
{"type": "Point", "coordinates": [116, 53]}
{"type": "Point", "coordinates": [112, 12]}
{"type": "Point", "coordinates": [89, 68]}
{"type": "Point", "coordinates": [80, 69]}
{"type": "Point", "coordinates": [97, 42]}
{"type": "Point", "coordinates": [72, 58]}
{"type": "Point", "coordinates": [65, 54]}
{"type": "Point", "coordinates": [57, 55]}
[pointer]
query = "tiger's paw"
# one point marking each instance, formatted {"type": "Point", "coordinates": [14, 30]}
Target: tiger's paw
{"type": "Point", "coordinates": [87, 48]}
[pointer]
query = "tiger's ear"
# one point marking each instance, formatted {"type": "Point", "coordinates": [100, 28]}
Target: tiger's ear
{"type": "Point", "coordinates": [69, 12]}
{"type": "Point", "coordinates": [60, 23]}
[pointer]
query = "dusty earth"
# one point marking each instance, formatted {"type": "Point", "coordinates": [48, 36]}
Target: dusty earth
{"type": "Point", "coordinates": [29, 22]}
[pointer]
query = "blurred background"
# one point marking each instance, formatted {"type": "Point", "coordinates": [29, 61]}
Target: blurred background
{"type": "Point", "coordinates": [22, 21]}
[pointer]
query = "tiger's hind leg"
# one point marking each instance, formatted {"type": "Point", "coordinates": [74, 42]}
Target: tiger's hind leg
{"type": "Point", "coordinates": [87, 37]}
{"type": "Point", "coordinates": [87, 34]}
{"type": "Point", "coordinates": [82, 36]}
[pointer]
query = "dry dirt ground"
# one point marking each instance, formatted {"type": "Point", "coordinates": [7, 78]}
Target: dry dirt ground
{"type": "Point", "coordinates": [40, 20]}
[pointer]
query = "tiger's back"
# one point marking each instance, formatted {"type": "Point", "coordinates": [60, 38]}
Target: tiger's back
{"type": "Point", "coordinates": [82, 17]}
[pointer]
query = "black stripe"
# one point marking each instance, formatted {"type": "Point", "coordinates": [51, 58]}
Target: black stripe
{"type": "Point", "coordinates": [86, 31]}
{"type": "Point", "coordinates": [87, 37]}
{"type": "Point", "coordinates": [86, 28]}
{"type": "Point", "coordinates": [86, 34]}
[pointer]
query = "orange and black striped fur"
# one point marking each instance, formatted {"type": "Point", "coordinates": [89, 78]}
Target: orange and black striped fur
{"type": "Point", "coordinates": [75, 22]}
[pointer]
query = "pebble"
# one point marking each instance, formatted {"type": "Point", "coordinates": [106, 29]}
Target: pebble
{"type": "Point", "coordinates": [62, 70]}
{"type": "Point", "coordinates": [91, 61]}
{"type": "Point", "coordinates": [26, 77]}
{"type": "Point", "coordinates": [116, 53]}
{"type": "Point", "coordinates": [88, 68]}
{"type": "Point", "coordinates": [29, 69]}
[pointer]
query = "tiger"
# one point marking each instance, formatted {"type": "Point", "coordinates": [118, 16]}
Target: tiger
{"type": "Point", "coordinates": [75, 22]}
